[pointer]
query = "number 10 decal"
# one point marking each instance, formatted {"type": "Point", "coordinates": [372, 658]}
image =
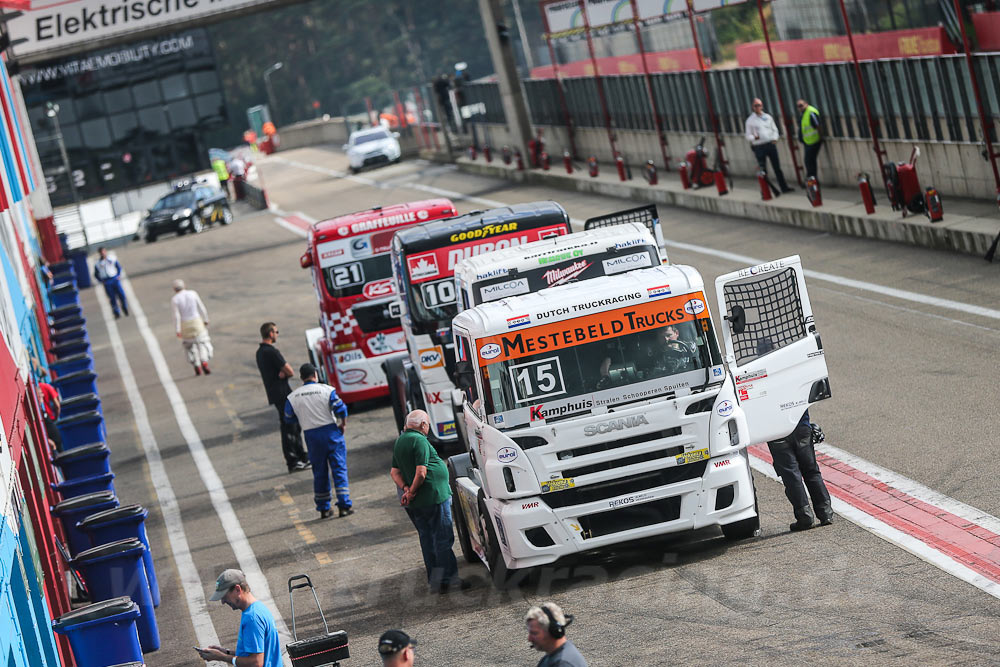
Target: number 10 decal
{"type": "Point", "coordinates": [537, 379]}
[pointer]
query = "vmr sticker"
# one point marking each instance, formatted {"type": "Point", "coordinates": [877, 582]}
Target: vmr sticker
{"type": "Point", "coordinates": [691, 457]}
{"type": "Point", "coordinates": [558, 484]}
{"type": "Point", "coordinates": [725, 408]}
{"type": "Point", "coordinates": [529, 506]}
{"type": "Point", "coordinates": [506, 454]}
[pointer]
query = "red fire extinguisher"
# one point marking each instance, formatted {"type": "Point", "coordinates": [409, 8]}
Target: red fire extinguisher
{"type": "Point", "coordinates": [505, 152]}
{"type": "Point", "coordinates": [487, 153]}
{"type": "Point", "coordinates": [544, 159]}
{"type": "Point", "coordinates": [765, 187]}
{"type": "Point", "coordinates": [932, 205]}
{"type": "Point", "coordinates": [867, 194]}
{"type": "Point", "coordinates": [520, 160]}
{"type": "Point", "coordinates": [682, 171]}
{"type": "Point", "coordinates": [568, 162]}
{"type": "Point", "coordinates": [472, 152]}
{"type": "Point", "coordinates": [812, 191]}
{"type": "Point", "coordinates": [592, 166]}
{"type": "Point", "coordinates": [720, 183]}
{"type": "Point", "coordinates": [651, 176]}
{"type": "Point", "coordinates": [620, 164]}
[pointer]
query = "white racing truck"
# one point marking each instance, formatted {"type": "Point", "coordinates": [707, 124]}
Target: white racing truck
{"type": "Point", "coordinates": [609, 414]}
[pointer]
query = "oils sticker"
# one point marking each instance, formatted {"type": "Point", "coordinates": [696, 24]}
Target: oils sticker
{"type": "Point", "coordinates": [563, 484]}
{"type": "Point", "coordinates": [692, 456]}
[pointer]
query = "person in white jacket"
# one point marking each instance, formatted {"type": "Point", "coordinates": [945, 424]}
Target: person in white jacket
{"type": "Point", "coordinates": [191, 322]}
{"type": "Point", "coordinates": [763, 135]}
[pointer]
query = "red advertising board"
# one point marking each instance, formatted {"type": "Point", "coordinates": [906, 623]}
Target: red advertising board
{"type": "Point", "coordinates": [657, 61]}
{"type": "Point", "coordinates": [987, 25]}
{"type": "Point", "coordinates": [892, 44]}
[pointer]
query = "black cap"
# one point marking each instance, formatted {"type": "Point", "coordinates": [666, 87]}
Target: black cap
{"type": "Point", "coordinates": [394, 641]}
{"type": "Point", "coordinates": [307, 370]}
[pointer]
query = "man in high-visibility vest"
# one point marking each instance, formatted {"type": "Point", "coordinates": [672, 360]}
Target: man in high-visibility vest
{"type": "Point", "coordinates": [810, 134]}
{"type": "Point", "coordinates": [222, 171]}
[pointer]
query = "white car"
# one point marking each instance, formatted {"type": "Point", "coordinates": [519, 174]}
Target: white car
{"type": "Point", "coordinates": [371, 146]}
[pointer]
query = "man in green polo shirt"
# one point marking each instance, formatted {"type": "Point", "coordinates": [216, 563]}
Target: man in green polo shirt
{"type": "Point", "coordinates": [422, 479]}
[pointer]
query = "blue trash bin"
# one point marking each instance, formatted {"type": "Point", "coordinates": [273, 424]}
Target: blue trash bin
{"type": "Point", "coordinates": [82, 269]}
{"type": "Point", "coordinates": [103, 633]}
{"type": "Point", "coordinates": [67, 334]}
{"type": "Point", "coordinates": [64, 294]}
{"type": "Point", "coordinates": [63, 272]}
{"type": "Point", "coordinates": [70, 347]}
{"type": "Point", "coordinates": [81, 486]}
{"type": "Point", "coordinates": [119, 524]}
{"type": "Point", "coordinates": [81, 361]}
{"type": "Point", "coordinates": [116, 569]}
{"type": "Point", "coordinates": [85, 461]}
{"type": "Point", "coordinates": [82, 429]}
{"type": "Point", "coordinates": [70, 321]}
{"type": "Point", "coordinates": [77, 382]}
{"type": "Point", "coordinates": [71, 310]}
{"type": "Point", "coordinates": [74, 510]}
{"type": "Point", "coordinates": [74, 405]}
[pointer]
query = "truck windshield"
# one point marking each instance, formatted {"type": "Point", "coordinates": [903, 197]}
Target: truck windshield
{"type": "Point", "coordinates": [622, 369]}
{"type": "Point", "coordinates": [434, 301]}
{"type": "Point", "coordinates": [349, 279]}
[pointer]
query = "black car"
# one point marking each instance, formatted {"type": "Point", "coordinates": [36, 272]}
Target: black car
{"type": "Point", "coordinates": [187, 209]}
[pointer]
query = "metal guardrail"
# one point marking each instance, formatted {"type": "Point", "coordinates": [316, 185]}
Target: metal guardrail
{"type": "Point", "coordinates": [913, 99]}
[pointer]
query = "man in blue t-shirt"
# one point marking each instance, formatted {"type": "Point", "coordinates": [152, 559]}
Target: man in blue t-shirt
{"type": "Point", "coordinates": [257, 643]}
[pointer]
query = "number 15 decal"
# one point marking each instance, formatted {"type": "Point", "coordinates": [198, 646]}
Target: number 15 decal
{"type": "Point", "coordinates": [537, 379]}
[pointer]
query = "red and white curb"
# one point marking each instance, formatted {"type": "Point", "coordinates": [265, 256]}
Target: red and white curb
{"type": "Point", "coordinates": [297, 223]}
{"type": "Point", "coordinates": [955, 537]}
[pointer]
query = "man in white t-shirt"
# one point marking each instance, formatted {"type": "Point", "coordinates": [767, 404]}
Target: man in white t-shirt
{"type": "Point", "coordinates": [763, 135]}
{"type": "Point", "coordinates": [191, 322]}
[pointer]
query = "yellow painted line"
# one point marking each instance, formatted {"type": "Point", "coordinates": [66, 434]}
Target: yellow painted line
{"type": "Point", "coordinates": [230, 412]}
{"type": "Point", "coordinates": [323, 558]}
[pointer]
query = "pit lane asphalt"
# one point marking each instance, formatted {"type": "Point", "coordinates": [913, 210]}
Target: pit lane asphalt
{"type": "Point", "coordinates": [914, 391]}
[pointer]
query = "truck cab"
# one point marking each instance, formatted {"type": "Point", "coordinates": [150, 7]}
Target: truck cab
{"type": "Point", "coordinates": [352, 278]}
{"type": "Point", "coordinates": [614, 414]}
{"type": "Point", "coordinates": [424, 258]}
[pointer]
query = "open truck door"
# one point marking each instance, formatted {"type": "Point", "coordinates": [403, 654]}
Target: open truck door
{"type": "Point", "coordinates": [773, 348]}
{"type": "Point", "coordinates": [646, 215]}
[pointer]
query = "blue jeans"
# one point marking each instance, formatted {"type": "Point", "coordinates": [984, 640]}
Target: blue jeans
{"type": "Point", "coordinates": [116, 295]}
{"type": "Point", "coordinates": [433, 525]}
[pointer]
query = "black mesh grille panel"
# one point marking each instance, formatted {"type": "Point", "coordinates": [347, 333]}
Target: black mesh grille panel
{"type": "Point", "coordinates": [777, 294]}
{"type": "Point", "coordinates": [646, 215]}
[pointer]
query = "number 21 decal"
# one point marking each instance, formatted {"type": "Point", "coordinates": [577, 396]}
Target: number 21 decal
{"type": "Point", "coordinates": [537, 379]}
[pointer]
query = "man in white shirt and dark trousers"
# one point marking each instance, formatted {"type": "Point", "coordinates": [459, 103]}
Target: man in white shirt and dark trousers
{"type": "Point", "coordinates": [191, 322]}
{"type": "Point", "coordinates": [763, 135]}
{"type": "Point", "coordinates": [322, 416]}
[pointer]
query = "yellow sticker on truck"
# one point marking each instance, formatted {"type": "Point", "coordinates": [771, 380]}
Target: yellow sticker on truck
{"type": "Point", "coordinates": [692, 456]}
{"type": "Point", "coordinates": [559, 484]}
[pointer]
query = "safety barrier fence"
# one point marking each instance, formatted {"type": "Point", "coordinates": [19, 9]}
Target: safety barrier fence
{"type": "Point", "coordinates": [913, 99]}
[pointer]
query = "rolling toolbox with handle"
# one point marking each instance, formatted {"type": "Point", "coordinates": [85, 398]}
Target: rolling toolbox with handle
{"type": "Point", "coordinates": [325, 650]}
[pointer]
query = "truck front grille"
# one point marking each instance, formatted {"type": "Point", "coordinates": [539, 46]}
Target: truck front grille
{"type": "Point", "coordinates": [627, 461]}
{"type": "Point", "coordinates": [620, 487]}
{"type": "Point", "coordinates": [632, 516]}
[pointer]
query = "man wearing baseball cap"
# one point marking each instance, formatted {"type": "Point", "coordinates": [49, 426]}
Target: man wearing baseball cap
{"type": "Point", "coordinates": [257, 643]}
{"type": "Point", "coordinates": [396, 648]}
{"type": "Point", "coordinates": [322, 415]}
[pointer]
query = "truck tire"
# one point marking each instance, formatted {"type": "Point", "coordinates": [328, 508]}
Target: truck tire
{"type": "Point", "coordinates": [393, 369]}
{"type": "Point", "coordinates": [745, 529]}
{"type": "Point", "coordinates": [501, 576]}
{"type": "Point", "coordinates": [458, 516]}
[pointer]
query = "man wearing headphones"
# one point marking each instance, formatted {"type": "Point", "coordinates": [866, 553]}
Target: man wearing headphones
{"type": "Point", "coordinates": [547, 633]}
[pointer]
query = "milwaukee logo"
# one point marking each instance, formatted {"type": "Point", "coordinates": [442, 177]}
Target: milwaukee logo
{"type": "Point", "coordinates": [382, 223]}
{"type": "Point", "coordinates": [619, 424]}
{"type": "Point", "coordinates": [559, 276]}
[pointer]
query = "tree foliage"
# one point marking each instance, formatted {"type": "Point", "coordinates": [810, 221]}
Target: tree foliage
{"type": "Point", "coordinates": [339, 52]}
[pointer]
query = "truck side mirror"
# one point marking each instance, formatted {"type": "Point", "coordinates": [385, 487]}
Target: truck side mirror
{"type": "Point", "coordinates": [395, 309]}
{"type": "Point", "coordinates": [737, 319]}
{"type": "Point", "coordinates": [465, 377]}
{"type": "Point", "coordinates": [306, 260]}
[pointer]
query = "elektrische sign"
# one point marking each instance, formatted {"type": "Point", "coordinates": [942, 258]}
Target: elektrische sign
{"type": "Point", "coordinates": [57, 24]}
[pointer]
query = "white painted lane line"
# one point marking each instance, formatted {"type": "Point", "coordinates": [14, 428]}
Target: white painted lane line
{"type": "Point", "coordinates": [194, 594]}
{"type": "Point", "coordinates": [245, 556]}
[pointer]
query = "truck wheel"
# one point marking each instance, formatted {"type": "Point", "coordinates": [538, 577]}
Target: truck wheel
{"type": "Point", "coordinates": [501, 576]}
{"type": "Point", "coordinates": [745, 529]}
{"type": "Point", "coordinates": [458, 516]}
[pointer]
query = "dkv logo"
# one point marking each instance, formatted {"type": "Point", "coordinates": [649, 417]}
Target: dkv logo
{"type": "Point", "coordinates": [431, 358]}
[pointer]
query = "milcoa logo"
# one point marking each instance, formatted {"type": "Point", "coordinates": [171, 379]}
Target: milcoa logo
{"type": "Point", "coordinates": [662, 290]}
{"type": "Point", "coordinates": [519, 321]}
{"type": "Point", "coordinates": [506, 454]}
{"type": "Point", "coordinates": [694, 306]}
{"type": "Point", "coordinates": [490, 351]}
{"type": "Point", "coordinates": [422, 266]}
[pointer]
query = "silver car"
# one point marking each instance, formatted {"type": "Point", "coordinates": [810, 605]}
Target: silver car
{"type": "Point", "coordinates": [372, 146]}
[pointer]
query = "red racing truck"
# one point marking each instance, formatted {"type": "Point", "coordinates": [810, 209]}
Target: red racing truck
{"type": "Point", "coordinates": [352, 276]}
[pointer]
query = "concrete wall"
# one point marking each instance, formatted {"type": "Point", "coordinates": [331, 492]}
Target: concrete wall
{"type": "Point", "coordinates": [334, 132]}
{"type": "Point", "coordinates": [955, 169]}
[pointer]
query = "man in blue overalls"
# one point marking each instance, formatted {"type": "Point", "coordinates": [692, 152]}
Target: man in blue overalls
{"type": "Point", "coordinates": [322, 416]}
{"type": "Point", "coordinates": [109, 271]}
